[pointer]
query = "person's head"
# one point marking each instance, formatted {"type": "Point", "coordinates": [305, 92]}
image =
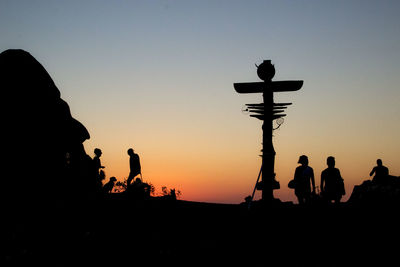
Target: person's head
{"type": "Point", "coordinates": [330, 161]}
{"type": "Point", "coordinates": [97, 152]}
{"type": "Point", "coordinates": [303, 160]}
{"type": "Point", "coordinates": [379, 162]}
{"type": "Point", "coordinates": [113, 179]}
{"type": "Point", "coordinates": [130, 151]}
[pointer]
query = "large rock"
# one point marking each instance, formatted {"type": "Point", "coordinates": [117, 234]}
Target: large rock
{"type": "Point", "coordinates": [43, 157]}
{"type": "Point", "coordinates": [382, 193]}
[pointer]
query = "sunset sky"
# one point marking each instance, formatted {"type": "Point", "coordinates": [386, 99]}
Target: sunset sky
{"type": "Point", "coordinates": [158, 76]}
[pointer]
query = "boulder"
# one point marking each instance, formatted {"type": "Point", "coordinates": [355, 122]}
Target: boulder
{"type": "Point", "coordinates": [385, 193]}
{"type": "Point", "coordinates": [43, 157]}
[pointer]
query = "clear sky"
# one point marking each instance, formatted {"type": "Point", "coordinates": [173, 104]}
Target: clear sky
{"type": "Point", "coordinates": [158, 76]}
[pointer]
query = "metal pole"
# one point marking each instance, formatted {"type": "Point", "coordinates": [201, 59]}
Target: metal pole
{"type": "Point", "coordinates": [268, 160]}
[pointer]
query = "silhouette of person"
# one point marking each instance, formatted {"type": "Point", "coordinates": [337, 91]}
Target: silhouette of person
{"type": "Point", "coordinates": [303, 175]}
{"type": "Point", "coordinates": [381, 172]}
{"type": "Point", "coordinates": [109, 185]}
{"type": "Point", "coordinates": [332, 187]}
{"type": "Point", "coordinates": [98, 175]}
{"type": "Point", "coordinates": [96, 160]}
{"type": "Point", "coordinates": [134, 165]}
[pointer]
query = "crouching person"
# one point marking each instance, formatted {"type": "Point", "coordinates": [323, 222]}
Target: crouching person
{"type": "Point", "coordinates": [108, 187]}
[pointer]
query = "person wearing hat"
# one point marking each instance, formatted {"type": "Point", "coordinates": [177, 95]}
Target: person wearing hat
{"type": "Point", "coordinates": [304, 179]}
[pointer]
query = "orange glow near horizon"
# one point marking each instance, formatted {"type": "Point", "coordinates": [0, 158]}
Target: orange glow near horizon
{"type": "Point", "coordinates": [227, 175]}
{"type": "Point", "coordinates": [210, 152]}
{"type": "Point", "coordinates": [158, 76]}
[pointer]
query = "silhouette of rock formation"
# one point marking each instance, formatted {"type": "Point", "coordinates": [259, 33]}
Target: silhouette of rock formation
{"type": "Point", "coordinates": [384, 193]}
{"type": "Point", "coordinates": [42, 143]}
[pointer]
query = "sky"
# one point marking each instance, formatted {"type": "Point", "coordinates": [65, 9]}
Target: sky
{"type": "Point", "coordinates": [158, 76]}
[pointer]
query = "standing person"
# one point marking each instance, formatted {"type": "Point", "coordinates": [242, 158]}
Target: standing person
{"type": "Point", "coordinates": [381, 172]}
{"type": "Point", "coordinates": [332, 186]}
{"type": "Point", "coordinates": [134, 165]}
{"type": "Point", "coordinates": [96, 160]}
{"type": "Point", "coordinates": [303, 175]}
{"type": "Point", "coordinates": [99, 174]}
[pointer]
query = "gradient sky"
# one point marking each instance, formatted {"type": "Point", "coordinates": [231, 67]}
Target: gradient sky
{"type": "Point", "coordinates": [158, 76]}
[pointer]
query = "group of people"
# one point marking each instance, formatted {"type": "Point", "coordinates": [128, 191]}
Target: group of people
{"type": "Point", "coordinates": [134, 166]}
{"type": "Point", "coordinates": [332, 184]}
{"type": "Point", "coordinates": [303, 183]}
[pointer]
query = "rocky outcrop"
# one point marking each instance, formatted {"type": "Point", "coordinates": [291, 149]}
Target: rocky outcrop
{"type": "Point", "coordinates": [383, 193]}
{"type": "Point", "coordinates": [43, 157]}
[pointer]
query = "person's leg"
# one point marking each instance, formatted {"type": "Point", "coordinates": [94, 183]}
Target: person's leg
{"type": "Point", "coordinates": [129, 181]}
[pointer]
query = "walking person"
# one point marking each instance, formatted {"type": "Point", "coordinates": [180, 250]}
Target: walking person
{"type": "Point", "coordinates": [134, 165]}
{"type": "Point", "coordinates": [304, 180]}
{"type": "Point", "coordinates": [332, 186]}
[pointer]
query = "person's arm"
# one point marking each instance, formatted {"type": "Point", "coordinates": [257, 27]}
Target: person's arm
{"type": "Point", "coordinates": [322, 182]}
{"type": "Point", "coordinates": [296, 174]}
{"type": "Point", "coordinates": [100, 166]}
{"type": "Point", "coordinates": [139, 166]}
{"type": "Point", "coordinates": [312, 180]}
{"type": "Point", "coordinates": [372, 172]}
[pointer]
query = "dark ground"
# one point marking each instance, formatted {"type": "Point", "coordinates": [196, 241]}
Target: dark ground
{"type": "Point", "coordinates": [159, 232]}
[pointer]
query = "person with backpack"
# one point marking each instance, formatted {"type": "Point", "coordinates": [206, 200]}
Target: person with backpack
{"type": "Point", "coordinates": [332, 186]}
{"type": "Point", "coordinates": [304, 180]}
